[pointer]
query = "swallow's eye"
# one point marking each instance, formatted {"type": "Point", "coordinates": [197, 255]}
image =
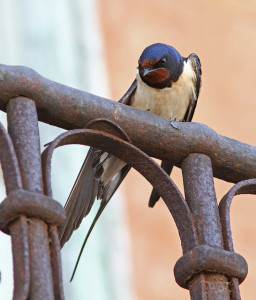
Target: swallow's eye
{"type": "Point", "coordinates": [163, 60]}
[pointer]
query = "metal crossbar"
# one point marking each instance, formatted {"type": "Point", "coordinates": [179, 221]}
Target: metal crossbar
{"type": "Point", "coordinates": [209, 267]}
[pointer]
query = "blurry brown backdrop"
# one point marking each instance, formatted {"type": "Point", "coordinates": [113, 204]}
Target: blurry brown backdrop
{"type": "Point", "coordinates": [223, 34]}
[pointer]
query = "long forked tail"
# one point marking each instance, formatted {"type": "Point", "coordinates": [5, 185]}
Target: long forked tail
{"type": "Point", "coordinates": [108, 193]}
{"type": "Point", "coordinates": [100, 210]}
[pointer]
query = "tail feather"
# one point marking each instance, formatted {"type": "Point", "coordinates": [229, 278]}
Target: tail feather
{"type": "Point", "coordinates": [81, 197]}
{"type": "Point", "coordinates": [107, 195]}
{"type": "Point", "coordinates": [87, 187]}
{"type": "Point", "coordinates": [154, 197]}
{"type": "Point", "coordinates": [99, 212]}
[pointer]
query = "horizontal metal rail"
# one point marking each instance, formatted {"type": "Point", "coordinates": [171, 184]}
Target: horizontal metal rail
{"type": "Point", "coordinates": [70, 108]}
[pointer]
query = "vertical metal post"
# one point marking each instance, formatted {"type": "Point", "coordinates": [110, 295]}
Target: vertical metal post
{"type": "Point", "coordinates": [201, 198]}
{"type": "Point", "coordinates": [23, 129]}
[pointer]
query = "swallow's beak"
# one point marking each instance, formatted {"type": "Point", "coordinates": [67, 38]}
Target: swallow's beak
{"type": "Point", "coordinates": [154, 75]}
{"type": "Point", "coordinates": [147, 72]}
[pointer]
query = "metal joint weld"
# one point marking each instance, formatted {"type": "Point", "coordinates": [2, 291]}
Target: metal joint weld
{"type": "Point", "coordinates": [20, 202]}
{"type": "Point", "coordinates": [207, 259]}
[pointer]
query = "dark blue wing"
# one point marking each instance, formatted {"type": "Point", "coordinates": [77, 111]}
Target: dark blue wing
{"type": "Point", "coordinates": [89, 184]}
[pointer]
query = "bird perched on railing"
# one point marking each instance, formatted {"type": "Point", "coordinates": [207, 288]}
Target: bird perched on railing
{"type": "Point", "coordinates": [167, 85]}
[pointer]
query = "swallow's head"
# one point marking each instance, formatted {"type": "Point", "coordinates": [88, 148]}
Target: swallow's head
{"type": "Point", "coordinates": [160, 65]}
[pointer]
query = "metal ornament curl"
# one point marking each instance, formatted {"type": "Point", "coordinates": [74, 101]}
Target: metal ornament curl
{"type": "Point", "coordinates": [140, 161]}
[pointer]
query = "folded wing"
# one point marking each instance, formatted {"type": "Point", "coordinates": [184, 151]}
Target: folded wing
{"type": "Point", "coordinates": [99, 177]}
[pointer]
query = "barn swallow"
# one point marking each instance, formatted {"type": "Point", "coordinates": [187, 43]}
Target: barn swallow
{"type": "Point", "coordinates": [167, 85]}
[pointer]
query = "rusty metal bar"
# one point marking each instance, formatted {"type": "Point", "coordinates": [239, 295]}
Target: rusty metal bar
{"type": "Point", "coordinates": [243, 187]}
{"type": "Point", "coordinates": [69, 108]}
{"type": "Point", "coordinates": [20, 249]}
{"type": "Point", "coordinates": [56, 263]}
{"type": "Point", "coordinates": [41, 286]}
{"type": "Point", "coordinates": [201, 198]}
{"type": "Point", "coordinates": [9, 162]}
{"type": "Point", "coordinates": [23, 129]}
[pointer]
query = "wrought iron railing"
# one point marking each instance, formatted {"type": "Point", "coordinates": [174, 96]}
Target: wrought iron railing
{"type": "Point", "coordinates": [209, 267]}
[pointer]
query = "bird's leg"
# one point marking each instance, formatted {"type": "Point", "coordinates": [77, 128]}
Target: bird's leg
{"type": "Point", "coordinates": [174, 124]}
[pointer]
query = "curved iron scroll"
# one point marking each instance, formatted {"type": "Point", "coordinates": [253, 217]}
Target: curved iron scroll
{"type": "Point", "coordinates": [9, 162]}
{"type": "Point", "coordinates": [242, 187]}
{"type": "Point", "coordinates": [139, 161]}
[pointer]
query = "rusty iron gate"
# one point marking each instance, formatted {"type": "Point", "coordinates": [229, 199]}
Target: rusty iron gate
{"type": "Point", "coordinates": [209, 267]}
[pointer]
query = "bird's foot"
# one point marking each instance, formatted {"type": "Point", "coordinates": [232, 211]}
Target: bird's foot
{"type": "Point", "coordinates": [174, 124]}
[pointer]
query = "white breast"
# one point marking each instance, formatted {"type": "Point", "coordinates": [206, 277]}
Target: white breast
{"type": "Point", "coordinates": [168, 102]}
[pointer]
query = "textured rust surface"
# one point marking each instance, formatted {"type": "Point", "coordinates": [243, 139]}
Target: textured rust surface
{"type": "Point", "coordinates": [209, 267]}
{"type": "Point", "coordinates": [40, 263]}
{"type": "Point", "coordinates": [142, 163]}
{"type": "Point", "coordinates": [70, 108]}
{"type": "Point", "coordinates": [209, 260]}
{"type": "Point", "coordinates": [9, 162]}
{"type": "Point", "coordinates": [56, 263]}
{"type": "Point", "coordinates": [201, 198]}
{"type": "Point", "coordinates": [243, 187]}
{"type": "Point", "coordinates": [26, 213]}
{"type": "Point", "coordinates": [23, 129]}
{"type": "Point", "coordinates": [20, 250]}
{"type": "Point", "coordinates": [30, 204]}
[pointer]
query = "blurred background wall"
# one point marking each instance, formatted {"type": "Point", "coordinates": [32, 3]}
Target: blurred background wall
{"type": "Point", "coordinates": [62, 40]}
{"type": "Point", "coordinates": [223, 34]}
{"type": "Point", "coordinates": [94, 46]}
